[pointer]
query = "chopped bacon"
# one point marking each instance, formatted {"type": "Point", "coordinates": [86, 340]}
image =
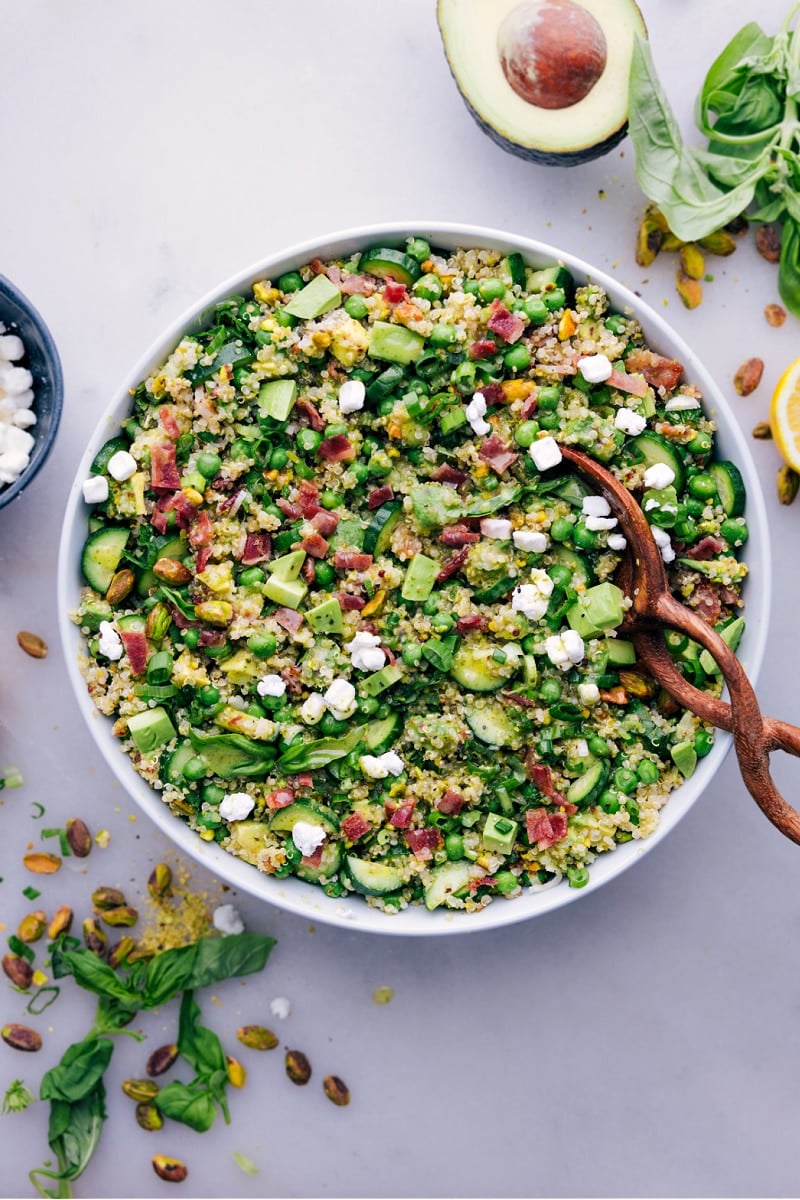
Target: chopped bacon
{"type": "Point", "coordinates": [400, 816]}
{"type": "Point", "coordinates": [203, 555]}
{"type": "Point", "coordinates": [315, 545]}
{"type": "Point", "coordinates": [319, 268]}
{"type": "Point", "coordinates": [660, 372]}
{"type": "Point", "coordinates": [473, 621]}
{"type": "Point", "coordinates": [231, 504]}
{"type": "Point", "coordinates": [423, 842]}
{"type": "Point", "coordinates": [707, 547]}
{"type": "Point", "coordinates": [212, 637]}
{"type": "Point", "coordinates": [394, 293]}
{"type": "Point", "coordinates": [357, 285]}
{"type": "Point", "coordinates": [355, 826]}
{"type": "Point", "coordinates": [281, 798]}
{"type": "Point", "coordinates": [257, 547]}
{"type": "Point", "coordinates": [458, 536]}
{"type": "Point", "coordinates": [313, 860]}
{"type": "Point", "coordinates": [288, 619]}
{"type": "Point", "coordinates": [542, 777]}
{"type": "Point", "coordinates": [379, 496]}
{"type": "Point", "coordinates": [706, 599]}
{"type": "Point", "coordinates": [304, 780]}
{"type": "Point", "coordinates": [177, 503]}
{"type": "Point", "coordinates": [454, 563]}
{"type": "Point", "coordinates": [338, 448]}
{"type": "Point", "coordinates": [545, 829]}
{"type": "Point", "coordinates": [529, 407]}
{"type": "Point", "coordinates": [166, 415]}
{"type": "Point", "coordinates": [307, 498]}
{"type": "Point", "coordinates": [444, 473]}
{"type": "Point", "coordinates": [222, 482]}
{"type": "Point", "coordinates": [496, 453]}
{"type": "Point", "coordinates": [634, 385]}
{"type": "Point", "coordinates": [308, 571]}
{"type": "Point", "coordinates": [164, 473]}
{"type": "Point", "coordinates": [450, 803]}
{"type": "Point", "coordinates": [492, 393]}
{"type": "Point", "coordinates": [180, 620]}
{"type": "Point", "coordinates": [288, 508]}
{"type": "Point", "coordinates": [507, 325]}
{"type": "Point", "coordinates": [310, 412]}
{"type": "Point", "coordinates": [202, 529]}
{"type": "Point", "coordinates": [351, 560]}
{"type": "Point", "coordinates": [135, 643]}
{"type": "Point", "coordinates": [324, 522]}
{"type": "Point", "coordinates": [350, 603]}
{"type": "Point", "coordinates": [483, 348]}
{"type": "Point", "coordinates": [521, 701]}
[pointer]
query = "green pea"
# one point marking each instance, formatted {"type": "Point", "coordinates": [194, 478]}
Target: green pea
{"type": "Point", "coordinates": [693, 506]}
{"type": "Point", "coordinates": [418, 248]}
{"type": "Point", "coordinates": [599, 747]}
{"type": "Point", "coordinates": [428, 287]}
{"type": "Point", "coordinates": [647, 771]}
{"type": "Point", "coordinates": [549, 420]}
{"type": "Point", "coordinates": [701, 444]}
{"type": "Point", "coordinates": [262, 337]}
{"type": "Point", "coordinates": [385, 406]}
{"type": "Point", "coordinates": [308, 440]}
{"type": "Point", "coordinates": [561, 530]}
{"type": "Point", "coordinates": [191, 638]}
{"type": "Point", "coordinates": [548, 398]}
{"type": "Point", "coordinates": [208, 464]}
{"type": "Point", "coordinates": [324, 574]}
{"type": "Point", "coordinates": [555, 298]}
{"type": "Point", "coordinates": [278, 459]}
{"type": "Point", "coordinates": [361, 472]}
{"type": "Point", "coordinates": [443, 622]}
{"type": "Point", "coordinates": [292, 281]}
{"type": "Point", "coordinates": [368, 706]}
{"type": "Point", "coordinates": [208, 695]}
{"type": "Point", "coordinates": [560, 573]}
{"type": "Point", "coordinates": [293, 855]}
{"type": "Point", "coordinates": [356, 307]}
{"type": "Point", "coordinates": [633, 811]}
{"type": "Point", "coordinates": [194, 768]}
{"type": "Point", "coordinates": [506, 882]}
{"type": "Point", "coordinates": [609, 801]}
{"type": "Point", "coordinates": [412, 654]}
{"type": "Point", "coordinates": [262, 644]}
{"type": "Point", "coordinates": [525, 434]}
{"type": "Point", "coordinates": [251, 577]}
{"type": "Point", "coordinates": [431, 606]}
{"type": "Point", "coordinates": [703, 741]}
{"type": "Point", "coordinates": [213, 794]}
{"type": "Point", "coordinates": [254, 709]}
{"type": "Point", "coordinates": [616, 323]}
{"type": "Point", "coordinates": [536, 310]}
{"type": "Point", "coordinates": [442, 335]}
{"type": "Point", "coordinates": [331, 726]}
{"type": "Point", "coordinates": [454, 846]}
{"type": "Point", "coordinates": [491, 483]}
{"type": "Point", "coordinates": [239, 448]}
{"type": "Point", "coordinates": [585, 539]}
{"type": "Point", "coordinates": [285, 318]}
{"type": "Point", "coordinates": [491, 289]}
{"type": "Point", "coordinates": [685, 530]}
{"type": "Point", "coordinates": [518, 358]}
{"type": "Point", "coordinates": [330, 499]}
{"type": "Point", "coordinates": [735, 531]}
{"type": "Point", "coordinates": [550, 691]}
{"type": "Point", "coordinates": [335, 429]}
{"type": "Point", "coordinates": [703, 486]}
{"type": "Point", "coordinates": [625, 780]}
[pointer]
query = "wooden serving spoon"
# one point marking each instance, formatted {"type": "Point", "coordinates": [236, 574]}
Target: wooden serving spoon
{"type": "Point", "coordinates": [643, 578]}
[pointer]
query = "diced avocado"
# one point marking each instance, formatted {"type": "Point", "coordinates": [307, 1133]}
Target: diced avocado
{"type": "Point", "coordinates": [445, 881]}
{"type": "Point", "coordinates": [684, 755]}
{"type": "Point", "coordinates": [326, 617]}
{"type": "Point", "coordinates": [394, 343]}
{"type": "Point", "coordinates": [316, 298]}
{"type": "Point", "coordinates": [420, 578]}
{"type": "Point", "coordinates": [434, 505]}
{"type": "Point", "coordinates": [383, 679]}
{"type": "Point", "coordinates": [598, 609]}
{"type": "Point", "coordinates": [241, 668]}
{"type": "Point", "coordinates": [731, 635]}
{"type": "Point", "coordinates": [151, 729]}
{"type": "Point", "coordinates": [287, 566]}
{"type": "Point", "coordinates": [193, 479]}
{"type": "Point", "coordinates": [499, 833]}
{"type": "Point", "coordinates": [289, 592]}
{"type": "Point", "coordinates": [276, 398]}
{"type": "Point", "coordinates": [620, 652]}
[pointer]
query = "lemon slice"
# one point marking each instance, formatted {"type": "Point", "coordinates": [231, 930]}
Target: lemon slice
{"type": "Point", "coordinates": [784, 414]}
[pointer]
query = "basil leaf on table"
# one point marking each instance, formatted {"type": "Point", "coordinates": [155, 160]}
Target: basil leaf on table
{"type": "Point", "coordinates": [789, 265]}
{"type": "Point", "coordinates": [190, 1104]}
{"type": "Point", "coordinates": [80, 1070]}
{"type": "Point", "coordinates": [201, 1048]}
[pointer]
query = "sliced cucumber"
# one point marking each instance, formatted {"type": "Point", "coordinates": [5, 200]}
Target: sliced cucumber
{"type": "Point", "coordinates": [101, 556]}
{"type": "Point", "coordinates": [285, 819]}
{"type": "Point", "coordinates": [172, 770]}
{"type": "Point", "coordinates": [584, 790]}
{"type": "Point", "coordinates": [512, 270]}
{"type": "Point", "coordinates": [549, 278]}
{"type": "Point", "coordinates": [490, 723]}
{"type": "Point", "coordinates": [582, 573]}
{"type": "Point", "coordinates": [328, 865]}
{"type": "Point", "coordinates": [388, 263]}
{"type": "Point", "coordinates": [475, 669]}
{"type": "Point", "coordinates": [653, 449]}
{"type": "Point", "coordinates": [380, 735]}
{"type": "Point", "coordinates": [106, 452]}
{"type": "Point", "coordinates": [730, 487]}
{"type": "Point", "coordinates": [250, 838]}
{"type": "Point", "coordinates": [373, 878]}
{"type": "Point", "coordinates": [573, 490]}
{"type": "Point", "coordinates": [445, 881]}
{"type": "Point", "coordinates": [381, 527]}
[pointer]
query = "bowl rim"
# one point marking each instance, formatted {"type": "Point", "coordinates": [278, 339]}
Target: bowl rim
{"type": "Point", "coordinates": [292, 894]}
{"type": "Point", "coordinates": [56, 379]}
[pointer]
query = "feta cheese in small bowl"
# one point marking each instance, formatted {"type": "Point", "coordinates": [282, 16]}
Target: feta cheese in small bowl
{"type": "Point", "coordinates": [31, 391]}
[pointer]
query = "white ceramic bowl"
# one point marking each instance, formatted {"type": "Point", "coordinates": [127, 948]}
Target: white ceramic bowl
{"type": "Point", "coordinates": [307, 899]}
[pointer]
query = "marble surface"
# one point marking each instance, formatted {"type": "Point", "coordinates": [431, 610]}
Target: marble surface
{"type": "Point", "coordinates": [641, 1042]}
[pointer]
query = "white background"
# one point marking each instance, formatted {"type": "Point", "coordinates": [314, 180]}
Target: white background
{"type": "Point", "coordinates": [644, 1041]}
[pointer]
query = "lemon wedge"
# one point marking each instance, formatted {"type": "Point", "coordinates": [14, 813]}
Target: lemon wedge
{"type": "Point", "coordinates": [784, 416]}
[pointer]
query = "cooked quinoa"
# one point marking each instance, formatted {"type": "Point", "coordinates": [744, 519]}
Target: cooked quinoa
{"type": "Point", "coordinates": [351, 614]}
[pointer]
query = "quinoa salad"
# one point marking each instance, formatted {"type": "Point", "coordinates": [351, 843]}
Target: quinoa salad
{"type": "Point", "coordinates": [352, 615]}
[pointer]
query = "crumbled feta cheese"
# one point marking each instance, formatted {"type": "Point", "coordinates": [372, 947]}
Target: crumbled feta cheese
{"type": "Point", "coordinates": [565, 649]}
{"type": "Point", "coordinates": [595, 506]}
{"type": "Point", "coordinates": [16, 417]}
{"type": "Point", "coordinates": [340, 698]}
{"type": "Point", "coordinates": [545, 453]}
{"type": "Point", "coordinates": [271, 685]}
{"type": "Point", "coordinates": [598, 523]}
{"type": "Point", "coordinates": [121, 466]}
{"type": "Point", "coordinates": [227, 920]}
{"type": "Point", "coordinates": [595, 368]}
{"type": "Point", "coordinates": [531, 598]}
{"type": "Point", "coordinates": [381, 765]}
{"type": "Point", "coordinates": [312, 709]}
{"type": "Point", "coordinates": [351, 396]}
{"type": "Point", "coordinates": [12, 347]}
{"type": "Point", "coordinates": [95, 489]}
{"type": "Point", "coordinates": [15, 380]}
{"type": "Point", "coordinates": [650, 504]}
{"type": "Point", "coordinates": [681, 403]}
{"type": "Point", "coordinates": [662, 540]}
{"type": "Point", "coordinates": [280, 1007]}
{"type": "Point", "coordinates": [476, 411]}
{"type": "Point", "coordinates": [365, 651]}
{"type": "Point", "coordinates": [659, 476]}
{"type": "Point", "coordinates": [588, 693]}
{"type": "Point", "coordinates": [530, 540]}
{"type": "Point", "coordinates": [307, 837]}
{"type": "Point", "coordinates": [236, 806]}
{"type": "Point", "coordinates": [629, 422]}
{"type": "Point", "coordinates": [616, 541]}
{"type": "Point", "coordinates": [109, 643]}
{"type": "Point", "coordinates": [496, 528]}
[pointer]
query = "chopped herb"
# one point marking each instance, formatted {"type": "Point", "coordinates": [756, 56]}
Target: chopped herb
{"type": "Point", "coordinates": [30, 893]}
{"type": "Point", "coordinates": [37, 816]}
{"type": "Point", "coordinates": [22, 949]}
{"type": "Point", "coordinates": [247, 1164]}
{"type": "Point", "coordinates": [17, 1097]}
{"type": "Point", "coordinates": [36, 1009]}
{"type": "Point", "coordinates": [63, 842]}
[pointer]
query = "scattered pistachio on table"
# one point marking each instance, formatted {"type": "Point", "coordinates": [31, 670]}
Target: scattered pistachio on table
{"type": "Point", "coordinates": [140, 1090]}
{"type": "Point", "coordinates": [298, 1067]}
{"type": "Point", "coordinates": [161, 1060]}
{"type": "Point", "coordinates": [32, 644]}
{"type": "Point", "coordinates": [79, 839]}
{"type": "Point", "coordinates": [336, 1090]}
{"type": "Point", "coordinates": [171, 1169]}
{"type": "Point", "coordinates": [39, 862]}
{"type": "Point", "coordinates": [787, 484]}
{"type": "Point", "coordinates": [257, 1037]}
{"type": "Point", "coordinates": [61, 922]}
{"type": "Point", "coordinates": [747, 377]}
{"type": "Point", "coordinates": [21, 1037]}
{"type": "Point", "coordinates": [775, 314]}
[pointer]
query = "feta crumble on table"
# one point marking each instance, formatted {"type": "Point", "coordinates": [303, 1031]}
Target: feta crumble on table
{"type": "Point", "coordinates": [226, 919]}
{"type": "Point", "coordinates": [280, 1007]}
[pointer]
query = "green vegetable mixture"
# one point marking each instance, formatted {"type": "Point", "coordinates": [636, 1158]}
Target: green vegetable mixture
{"type": "Point", "coordinates": [351, 614]}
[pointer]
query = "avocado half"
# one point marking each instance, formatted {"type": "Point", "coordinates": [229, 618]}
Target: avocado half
{"type": "Point", "coordinates": [546, 79]}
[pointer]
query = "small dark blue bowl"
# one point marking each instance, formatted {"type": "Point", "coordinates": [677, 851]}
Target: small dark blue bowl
{"type": "Point", "coordinates": [42, 360]}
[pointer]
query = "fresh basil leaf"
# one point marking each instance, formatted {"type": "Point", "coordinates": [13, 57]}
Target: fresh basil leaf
{"type": "Point", "coordinates": [80, 1070]}
{"type": "Point", "coordinates": [201, 1048]}
{"type": "Point", "coordinates": [92, 974]}
{"type": "Point", "coordinates": [789, 266]}
{"type": "Point", "coordinates": [167, 974]}
{"type": "Point", "coordinates": [231, 755]}
{"type": "Point", "coordinates": [190, 1104]}
{"type": "Point", "coordinates": [228, 958]}
{"type": "Point", "coordinates": [723, 75]}
{"type": "Point", "coordinates": [310, 756]}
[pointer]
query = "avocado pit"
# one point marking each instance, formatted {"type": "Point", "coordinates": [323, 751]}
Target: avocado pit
{"type": "Point", "coordinates": [552, 52]}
